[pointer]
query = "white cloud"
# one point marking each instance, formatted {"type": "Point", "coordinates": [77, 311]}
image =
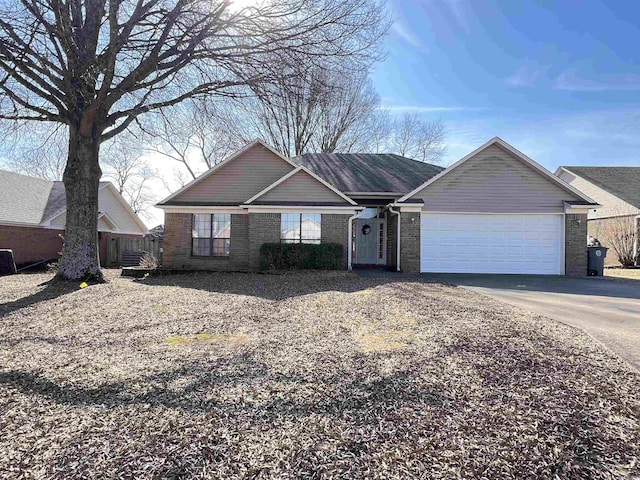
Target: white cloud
{"type": "Point", "coordinates": [458, 11]}
{"type": "Point", "coordinates": [527, 75]}
{"type": "Point", "coordinates": [404, 32]}
{"type": "Point", "coordinates": [570, 80]}
{"type": "Point", "coordinates": [423, 108]}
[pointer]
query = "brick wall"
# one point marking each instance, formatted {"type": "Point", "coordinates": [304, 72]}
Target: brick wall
{"type": "Point", "coordinates": [410, 242]}
{"type": "Point", "coordinates": [392, 245]}
{"type": "Point", "coordinates": [575, 244]}
{"type": "Point", "coordinates": [248, 233]}
{"type": "Point", "coordinates": [335, 229]}
{"type": "Point", "coordinates": [263, 228]}
{"type": "Point", "coordinates": [177, 245]}
{"type": "Point", "coordinates": [31, 245]}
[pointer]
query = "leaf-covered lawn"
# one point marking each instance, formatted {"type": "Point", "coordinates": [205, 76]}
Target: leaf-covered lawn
{"type": "Point", "coordinates": [309, 375]}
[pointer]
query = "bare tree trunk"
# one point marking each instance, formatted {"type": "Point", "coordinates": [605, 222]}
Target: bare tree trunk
{"type": "Point", "coordinates": [80, 260]}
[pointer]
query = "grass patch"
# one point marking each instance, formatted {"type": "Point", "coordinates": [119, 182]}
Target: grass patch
{"type": "Point", "coordinates": [203, 338]}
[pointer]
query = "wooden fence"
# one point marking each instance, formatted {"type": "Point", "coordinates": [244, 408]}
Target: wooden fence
{"type": "Point", "coordinates": [118, 245]}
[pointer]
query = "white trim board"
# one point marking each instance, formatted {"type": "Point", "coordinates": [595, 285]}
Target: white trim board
{"type": "Point", "coordinates": [202, 209]}
{"type": "Point", "coordinates": [301, 209]}
{"type": "Point", "coordinates": [519, 155]}
{"type": "Point", "coordinates": [227, 160]}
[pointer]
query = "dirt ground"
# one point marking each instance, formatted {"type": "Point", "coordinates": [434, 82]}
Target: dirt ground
{"type": "Point", "coordinates": [302, 375]}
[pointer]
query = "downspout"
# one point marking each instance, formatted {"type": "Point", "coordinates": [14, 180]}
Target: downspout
{"type": "Point", "coordinates": [350, 241]}
{"type": "Point", "coordinates": [391, 210]}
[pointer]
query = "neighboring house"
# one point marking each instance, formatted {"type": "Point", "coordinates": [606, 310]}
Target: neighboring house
{"type": "Point", "coordinates": [494, 211]}
{"type": "Point", "coordinates": [33, 213]}
{"type": "Point", "coordinates": [617, 189]}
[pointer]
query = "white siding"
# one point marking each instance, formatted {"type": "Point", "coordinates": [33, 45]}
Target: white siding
{"type": "Point", "coordinates": [109, 204]}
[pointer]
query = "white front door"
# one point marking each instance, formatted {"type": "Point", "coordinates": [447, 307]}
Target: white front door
{"type": "Point", "coordinates": [366, 240]}
{"type": "Point", "coordinates": [492, 243]}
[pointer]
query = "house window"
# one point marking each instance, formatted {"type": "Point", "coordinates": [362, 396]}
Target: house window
{"type": "Point", "coordinates": [211, 235]}
{"type": "Point", "coordinates": [300, 228]}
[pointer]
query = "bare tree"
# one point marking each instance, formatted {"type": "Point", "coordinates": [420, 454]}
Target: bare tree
{"type": "Point", "coordinates": [413, 137]}
{"type": "Point", "coordinates": [379, 127]}
{"type": "Point", "coordinates": [95, 66]}
{"type": "Point", "coordinates": [344, 121]}
{"type": "Point", "coordinates": [197, 135]}
{"type": "Point", "coordinates": [37, 150]}
{"type": "Point", "coordinates": [287, 114]}
{"type": "Point", "coordinates": [315, 108]}
{"type": "Point", "coordinates": [621, 235]}
{"type": "Point", "coordinates": [124, 164]}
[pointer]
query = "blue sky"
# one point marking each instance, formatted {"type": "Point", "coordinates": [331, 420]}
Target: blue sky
{"type": "Point", "coordinates": [559, 80]}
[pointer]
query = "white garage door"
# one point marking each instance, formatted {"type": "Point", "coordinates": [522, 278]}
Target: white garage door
{"type": "Point", "coordinates": [452, 243]}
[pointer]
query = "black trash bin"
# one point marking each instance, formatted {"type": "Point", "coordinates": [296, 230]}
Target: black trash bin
{"type": "Point", "coordinates": [595, 262]}
{"type": "Point", "coordinates": [7, 265]}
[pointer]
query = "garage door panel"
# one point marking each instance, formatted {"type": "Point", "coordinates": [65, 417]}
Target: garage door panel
{"type": "Point", "coordinates": [491, 243]}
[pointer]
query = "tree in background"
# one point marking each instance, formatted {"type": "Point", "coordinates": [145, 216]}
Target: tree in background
{"type": "Point", "coordinates": [413, 137]}
{"type": "Point", "coordinates": [34, 149]}
{"type": "Point", "coordinates": [95, 66]}
{"type": "Point", "coordinates": [123, 163]}
{"type": "Point", "coordinates": [197, 135]}
{"type": "Point", "coordinates": [621, 235]}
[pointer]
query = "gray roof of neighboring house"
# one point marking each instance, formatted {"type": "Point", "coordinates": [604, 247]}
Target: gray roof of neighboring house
{"type": "Point", "coordinates": [623, 182]}
{"type": "Point", "coordinates": [369, 172]}
{"type": "Point", "coordinates": [30, 200]}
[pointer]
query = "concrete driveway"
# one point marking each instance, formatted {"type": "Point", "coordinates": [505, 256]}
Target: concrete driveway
{"type": "Point", "coordinates": [608, 310]}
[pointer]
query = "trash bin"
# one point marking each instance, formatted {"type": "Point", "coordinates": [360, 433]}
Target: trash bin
{"type": "Point", "coordinates": [7, 265]}
{"type": "Point", "coordinates": [595, 262]}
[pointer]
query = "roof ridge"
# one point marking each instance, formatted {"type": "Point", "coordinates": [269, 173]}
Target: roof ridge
{"type": "Point", "coordinates": [27, 176]}
{"type": "Point", "coordinates": [598, 166]}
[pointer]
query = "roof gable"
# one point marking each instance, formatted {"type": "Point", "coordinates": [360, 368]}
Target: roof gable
{"type": "Point", "coordinates": [460, 171]}
{"type": "Point", "coordinates": [623, 182]}
{"type": "Point", "coordinates": [368, 172]}
{"type": "Point", "coordinates": [34, 201]}
{"type": "Point", "coordinates": [235, 179]}
{"type": "Point", "coordinates": [115, 214]}
{"type": "Point", "coordinates": [300, 187]}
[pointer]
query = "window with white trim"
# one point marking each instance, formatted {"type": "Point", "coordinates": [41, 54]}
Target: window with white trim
{"type": "Point", "coordinates": [300, 228]}
{"type": "Point", "coordinates": [210, 234]}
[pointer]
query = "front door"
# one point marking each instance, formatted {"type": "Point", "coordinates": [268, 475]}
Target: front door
{"type": "Point", "coordinates": [367, 241]}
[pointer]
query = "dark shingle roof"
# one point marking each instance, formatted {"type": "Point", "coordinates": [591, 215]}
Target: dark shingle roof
{"type": "Point", "coordinates": [623, 182]}
{"type": "Point", "coordinates": [30, 200]}
{"type": "Point", "coordinates": [368, 172]}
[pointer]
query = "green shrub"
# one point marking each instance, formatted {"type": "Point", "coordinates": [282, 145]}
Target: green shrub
{"type": "Point", "coordinates": [288, 256]}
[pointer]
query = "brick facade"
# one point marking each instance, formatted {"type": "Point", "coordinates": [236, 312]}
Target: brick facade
{"type": "Point", "coordinates": [248, 233]}
{"type": "Point", "coordinates": [177, 245]}
{"type": "Point", "coordinates": [392, 243]}
{"type": "Point", "coordinates": [410, 242]}
{"type": "Point", "coordinates": [575, 235]}
{"type": "Point", "coordinates": [263, 228]}
{"type": "Point", "coordinates": [32, 244]}
{"type": "Point", "coordinates": [335, 229]}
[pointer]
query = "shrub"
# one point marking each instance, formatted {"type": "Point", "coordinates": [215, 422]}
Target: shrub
{"type": "Point", "coordinates": [148, 261]}
{"type": "Point", "coordinates": [288, 256]}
